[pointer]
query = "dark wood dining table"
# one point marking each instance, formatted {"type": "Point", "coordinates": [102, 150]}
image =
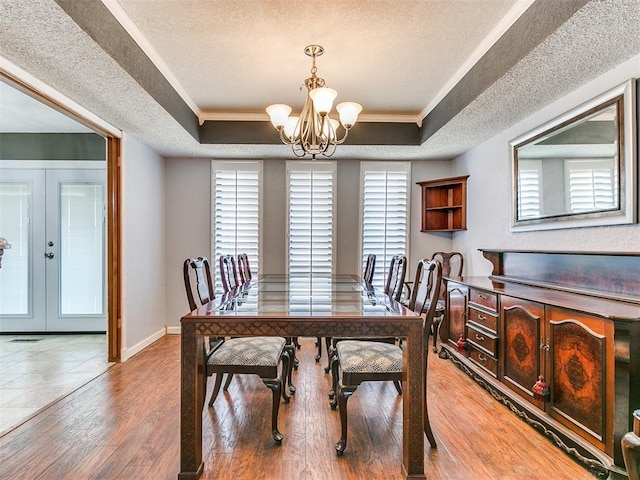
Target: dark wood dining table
{"type": "Point", "coordinates": [302, 306]}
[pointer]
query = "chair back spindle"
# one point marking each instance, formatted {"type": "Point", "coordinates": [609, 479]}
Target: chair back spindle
{"type": "Point", "coordinates": [204, 285]}
{"type": "Point", "coordinates": [395, 279]}
{"type": "Point", "coordinates": [452, 265]}
{"type": "Point", "coordinates": [228, 273]}
{"type": "Point", "coordinates": [369, 269]}
{"type": "Point", "coordinates": [244, 269]}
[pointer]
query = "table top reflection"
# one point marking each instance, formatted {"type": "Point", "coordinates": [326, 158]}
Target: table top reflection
{"type": "Point", "coordinates": [304, 296]}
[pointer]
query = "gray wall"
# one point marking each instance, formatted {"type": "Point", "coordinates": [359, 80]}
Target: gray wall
{"type": "Point", "coordinates": [188, 214]}
{"type": "Point", "coordinates": [53, 146]}
{"type": "Point", "coordinates": [143, 246]}
{"type": "Point", "coordinates": [489, 190]}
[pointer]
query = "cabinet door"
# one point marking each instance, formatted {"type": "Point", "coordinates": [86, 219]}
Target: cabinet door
{"type": "Point", "coordinates": [522, 359]}
{"type": "Point", "coordinates": [457, 312]}
{"type": "Point", "coordinates": [581, 374]}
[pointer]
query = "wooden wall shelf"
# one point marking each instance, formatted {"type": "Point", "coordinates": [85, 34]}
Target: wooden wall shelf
{"type": "Point", "coordinates": [444, 204]}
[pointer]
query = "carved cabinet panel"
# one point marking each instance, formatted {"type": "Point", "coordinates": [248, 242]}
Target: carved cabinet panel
{"type": "Point", "coordinates": [456, 300]}
{"type": "Point", "coordinates": [523, 345]}
{"type": "Point", "coordinates": [580, 373]}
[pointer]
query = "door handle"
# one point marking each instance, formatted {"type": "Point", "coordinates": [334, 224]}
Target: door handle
{"type": "Point", "coordinates": [48, 255]}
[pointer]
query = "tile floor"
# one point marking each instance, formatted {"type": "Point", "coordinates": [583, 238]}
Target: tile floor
{"type": "Point", "coordinates": [34, 374]}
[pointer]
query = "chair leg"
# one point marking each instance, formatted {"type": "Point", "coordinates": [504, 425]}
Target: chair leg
{"type": "Point", "coordinates": [319, 345]}
{"type": "Point", "coordinates": [227, 382]}
{"type": "Point", "coordinates": [335, 363]}
{"type": "Point", "coordinates": [293, 343]}
{"type": "Point", "coordinates": [216, 388]}
{"type": "Point", "coordinates": [330, 352]}
{"type": "Point", "coordinates": [398, 386]}
{"type": "Point", "coordinates": [435, 331]}
{"type": "Point", "coordinates": [286, 372]}
{"type": "Point", "coordinates": [428, 432]}
{"type": "Point", "coordinates": [290, 349]}
{"type": "Point", "coordinates": [343, 395]}
{"type": "Point", "coordinates": [275, 385]}
{"type": "Point", "coordinates": [427, 425]}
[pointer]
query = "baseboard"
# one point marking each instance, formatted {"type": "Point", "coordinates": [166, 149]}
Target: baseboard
{"type": "Point", "coordinates": [127, 353]}
{"type": "Point", "coordinates": [174, 330]}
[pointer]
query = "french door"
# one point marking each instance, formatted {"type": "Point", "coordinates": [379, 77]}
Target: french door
{"type": "Point", "coordinates": [53, 277]}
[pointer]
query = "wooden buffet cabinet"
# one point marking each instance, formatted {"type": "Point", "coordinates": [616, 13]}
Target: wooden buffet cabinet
{"type": "Point", "coordinates": [573, 318]}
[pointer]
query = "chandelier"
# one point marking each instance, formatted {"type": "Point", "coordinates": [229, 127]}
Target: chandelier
{"type": "Point", "coordinates": [314, 132]}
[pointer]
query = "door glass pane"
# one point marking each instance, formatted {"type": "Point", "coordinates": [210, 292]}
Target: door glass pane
{"type": "Point", "coordinates": [14, 226]}
{"type": "Point", "coordinates": [81, 247]}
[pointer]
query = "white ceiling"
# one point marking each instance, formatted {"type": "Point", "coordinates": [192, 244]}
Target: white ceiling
{"type": "Point", "coordinates": [228, 60]}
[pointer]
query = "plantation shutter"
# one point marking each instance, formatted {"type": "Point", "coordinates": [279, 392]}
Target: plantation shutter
{"type": "Point", "coordinates": [591, 186]}
{"type": "Point", "coordinates": [529, 195]}
{"type": "Point", "coordinates": [311, 217]}
{"type": "Point", "coordinates": [236, 207]}
{"type": "Point", "coordinates": [385, 191]}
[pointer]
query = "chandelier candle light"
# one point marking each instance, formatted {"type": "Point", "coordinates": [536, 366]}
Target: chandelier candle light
{"type": "Point", "coordinates": [314, 132]}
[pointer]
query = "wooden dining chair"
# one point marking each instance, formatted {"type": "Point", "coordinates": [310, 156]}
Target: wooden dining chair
{"type": "Point", "coordinates": [260, 356]}
{"type": "Point", "coordinates": [452, 265]}
{"type": "Point", "coordinates": [393, 287]}
{"type": "Point", "coordinates": [361, 361]}
{"type": "Point", "coordinates": [228, 273]}
{"type": "Point", "coordinates": [367, 277]}
{"type": "Point", "coordinates": [395, 279]}
{"type": "Point", "coordinates": [244, 269]}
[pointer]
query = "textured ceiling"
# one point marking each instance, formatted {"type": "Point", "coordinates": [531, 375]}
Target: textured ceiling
{"type": "Point", "coordinates": [390, 56]}
{"type": "Point", "coordinates": [394, 57]}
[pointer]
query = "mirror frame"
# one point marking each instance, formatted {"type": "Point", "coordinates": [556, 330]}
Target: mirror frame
{"type": "Point", "coordinates": [624, 96]}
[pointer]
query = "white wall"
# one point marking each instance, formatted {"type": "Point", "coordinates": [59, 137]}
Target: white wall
{"type": "Point", "coordinates": [489, 190]}
{"type": "Point", "coordinates": [143, 247]}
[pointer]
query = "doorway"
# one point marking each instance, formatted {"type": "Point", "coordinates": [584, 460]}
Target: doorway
{"type": "Point", "coordinates": [54, 277]}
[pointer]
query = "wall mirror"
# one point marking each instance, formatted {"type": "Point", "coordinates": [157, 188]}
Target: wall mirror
{"type": "Point", "coordinates": [579, 169]}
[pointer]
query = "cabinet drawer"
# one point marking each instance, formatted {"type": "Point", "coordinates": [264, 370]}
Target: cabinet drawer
{"type": "Point", "coordinates": [483, 318]}
{"type": "Point", "coordinates": [483, 340]}
{"type": "Point", "coordinates": [486, 299]}
{"type": "Point", "coordinates": [485, 361]}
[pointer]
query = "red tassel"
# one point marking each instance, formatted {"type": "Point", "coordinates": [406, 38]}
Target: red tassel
{"type": "Point", "coordinates": [462, 343]}
{"type": "Point", "coordinates": [541, 389]}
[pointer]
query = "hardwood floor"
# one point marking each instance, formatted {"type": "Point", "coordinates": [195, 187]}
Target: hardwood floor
{"type": "Point", "coordinates": [125, 425]}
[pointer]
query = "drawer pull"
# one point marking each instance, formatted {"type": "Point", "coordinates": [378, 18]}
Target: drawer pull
{"type": "Point", "coordinates": [480, 338]}
{"type": "Point", "coordinates": [482, 358]}
{"type": "Point", "coordinates": [482, 318]}
{"type": "Point", "coordinates": [483, 296]}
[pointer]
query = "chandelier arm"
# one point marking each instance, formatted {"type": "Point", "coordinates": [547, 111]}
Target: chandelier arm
{"type": "Point", "coordinates": [346, 134]}
{"type": "Point", "coordinates": [283, 136]}
{"type": "Point", "coordinates": [329, 150]}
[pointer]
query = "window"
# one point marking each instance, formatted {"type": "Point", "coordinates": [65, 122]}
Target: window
{"type": "Point", "coordinates": [592, 185]}
{"type": "Point", "coordinates": [529, 195]}
{"type": "Point", "coordinates": [236, 213]}
{"type": "Point", "coordinates": [385, 193]}
{"type": "Point", "coordinates": [310, 217]}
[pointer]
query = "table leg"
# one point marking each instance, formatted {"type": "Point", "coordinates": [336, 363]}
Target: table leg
{"type": "Point", "coordinates": [413, 405]}
{"type": "Point", "coordinates": [191, 401]}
